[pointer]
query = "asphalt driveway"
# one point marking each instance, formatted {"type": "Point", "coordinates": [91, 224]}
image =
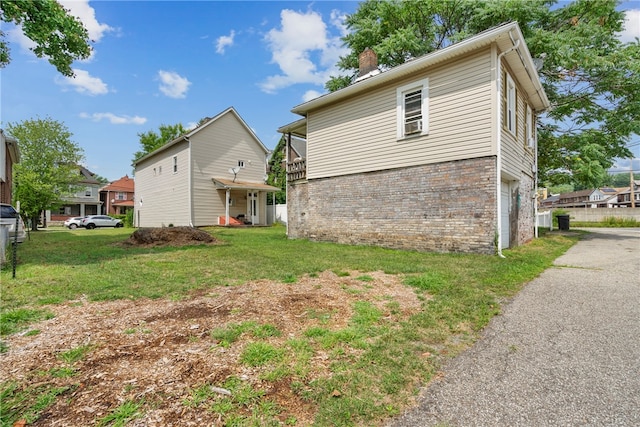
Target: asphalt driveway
{"type": "Point", "coordinates": [564, 352]}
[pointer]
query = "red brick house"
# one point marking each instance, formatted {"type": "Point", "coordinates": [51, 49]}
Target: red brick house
{"type": "Point", "coordinates": [117, 197]}
{"type": "Point", "coordinates": [9, 155]}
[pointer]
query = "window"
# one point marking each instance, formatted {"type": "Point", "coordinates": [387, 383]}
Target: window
{"type": "Point", "coordinates": [510, 105]}
{"type": "Point", "coordinates": [529, 135]}
{"type": "Point", "coordinates": [241, 164]}
{"type": "Point", "coordinates": [159, 170]}
{"type": "Point", "coordinates": [88, 192]}
{"type": "Point", "coordinates": [121, 195]}
{"type": "Point", "coordinates": [175, 164]}
{"type": "Point", "coordinates": [412, 109]}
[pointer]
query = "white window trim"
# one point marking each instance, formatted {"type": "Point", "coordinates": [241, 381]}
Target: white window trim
{"type": "Point", "coordinates": [511, 115]}
{"type": "Point", "coordinates": [422, 85]}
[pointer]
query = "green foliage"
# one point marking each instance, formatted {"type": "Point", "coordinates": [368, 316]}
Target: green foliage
{"type": "Point", "coordinates": [151, 140]}
{"type": "Point", "coordinates": [25, 403]}
{"type": "Point", "coordinates": [73, 355]}
{"type": "Point", "coordinates": [12, 321]}
{"type": "Point", "coordinates": [260, 353]}
{"type": "Point", "coordinates": [128, 218]}
{"type": "Point", "coordinates": [590, 77]}
{"type": "Point", "coordinates": [48, 168]}
{"type": "Point", "coordinates": [277, 175]}
{"type": "Point", "coordinates": [59, 36]}
{"type": "Point", "coordinates": [121, 416]}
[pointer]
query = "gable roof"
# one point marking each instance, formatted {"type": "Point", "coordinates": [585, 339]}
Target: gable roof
{"type": "Point", "coordinates": [88, 177]}
{"type": "Point", "coordinates": [207, 122]}
{"type": "Point", "coordinates": [124, 184]}
{"type": "Point", "coordinates": [505, 36]}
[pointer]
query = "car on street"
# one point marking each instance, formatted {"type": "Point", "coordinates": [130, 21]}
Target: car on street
{"type": "Point", "coordinates": [94, 221]}
{"type": "Point", "coordinates": [8, 216]}
{"type": "Point", "coordinates": [73, 223]}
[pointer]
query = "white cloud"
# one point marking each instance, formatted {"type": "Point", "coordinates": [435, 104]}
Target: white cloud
{"type": "Point", "coordinates": [304, 49]}
{"type": "Point", "coordinates": [173, 85]}
{"type": "Point", "coordinates": [310, 94]}
{"type": "Point", "coordinates": [86, 14]}
{"type": "Point", "coordinates": [224, 41]}
{"type": "Point", "coordinates": [83, 83]}
{"type": "Point", "coordinates": [631, 26]}
{"type": "Point", "coordinates": [114, 119]}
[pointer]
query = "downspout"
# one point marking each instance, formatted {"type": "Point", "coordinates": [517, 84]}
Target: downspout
{"type": "Point", "coordinates": [535, 183]}
{"type": "Point", "coordinates": [190, 191]}
{"type": "Point", "coordinates": [499, 148]}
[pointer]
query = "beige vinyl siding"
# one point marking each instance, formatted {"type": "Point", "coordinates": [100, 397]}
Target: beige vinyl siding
{"type": "Point", "coordinates": [164, 195]}
{"type": "Point", "coordinates": [517, 158]}
{"type": "Point", "coordinates": [215, 149]}
{"type": "Point", "coordinates": [363, 129]}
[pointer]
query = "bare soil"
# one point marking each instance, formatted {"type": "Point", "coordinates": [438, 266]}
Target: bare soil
{"type": "Point", "coordinates": [159, 351]}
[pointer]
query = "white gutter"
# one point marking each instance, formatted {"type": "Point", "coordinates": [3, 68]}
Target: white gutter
{"type": "Point", "coordinates": [498, 148]}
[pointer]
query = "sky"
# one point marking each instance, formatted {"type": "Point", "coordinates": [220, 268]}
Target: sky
{"type": "Point", "coordinates": [169, 62]}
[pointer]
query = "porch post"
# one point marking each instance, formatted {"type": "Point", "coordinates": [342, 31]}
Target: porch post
{"type": "Point", "coordinates": [226, 207]}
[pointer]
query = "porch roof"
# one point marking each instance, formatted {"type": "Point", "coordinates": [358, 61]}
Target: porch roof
{"type": "Point", "coordinates": [229, 184]}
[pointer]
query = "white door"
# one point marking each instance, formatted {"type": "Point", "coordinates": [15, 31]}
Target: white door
{"type": "Point", "coordinates": [504, 214]}
{"type": "Point", "coordinates": [253, 207]}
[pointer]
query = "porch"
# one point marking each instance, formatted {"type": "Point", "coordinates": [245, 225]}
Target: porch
{"type": "Point", "coordinates": [245, 202]}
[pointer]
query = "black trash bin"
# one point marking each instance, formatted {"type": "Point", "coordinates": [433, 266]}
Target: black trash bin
{"type": "Point", "coordinates": [563, 222]}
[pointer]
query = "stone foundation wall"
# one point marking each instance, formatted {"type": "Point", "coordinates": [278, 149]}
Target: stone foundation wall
{"type": "Point", "coordinates": [445, 207]}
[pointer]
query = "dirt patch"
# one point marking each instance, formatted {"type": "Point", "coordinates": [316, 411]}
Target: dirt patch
{"type": "Point", "coordinates": [169, 236]}
{"type": "Point", "coordinates": [159, 351]}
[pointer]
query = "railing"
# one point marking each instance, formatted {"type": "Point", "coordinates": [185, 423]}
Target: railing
{"type": "Point", "coordinates": [297, 170]}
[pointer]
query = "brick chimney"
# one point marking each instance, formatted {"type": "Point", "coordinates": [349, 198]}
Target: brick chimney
{"type": "Point", "coordinates": [368, 61]}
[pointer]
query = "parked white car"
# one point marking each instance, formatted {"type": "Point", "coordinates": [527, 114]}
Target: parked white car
{"type": "Point", "coordinates": [73, 223]}
{"type": "Point", "coordinates": [94, 221]}
{"type": "Point", "coordinates": [8, 216]}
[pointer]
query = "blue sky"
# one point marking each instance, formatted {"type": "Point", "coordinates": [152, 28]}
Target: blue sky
{"type": "Point", "coordinates": [168, 62]}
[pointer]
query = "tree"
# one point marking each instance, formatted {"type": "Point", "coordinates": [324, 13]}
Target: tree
{"type": "Point", "coordinates": [591, 78]}
{"type": "Point", "coordinates": [151, 140]}
{"type": "Point", "coordinates": [277, 175]}
{"type": "Point", "coordinates": [59, 36]}
{"type": "Point", "coordinates": [48, 168]}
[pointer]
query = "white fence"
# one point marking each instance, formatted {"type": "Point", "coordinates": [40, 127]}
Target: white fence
{"type": "Point", "coordinates": [545, 220]}
{"type": "Point", "coordinates": [279, 214]}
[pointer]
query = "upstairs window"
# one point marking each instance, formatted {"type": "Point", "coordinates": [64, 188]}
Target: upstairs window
{"type": "Point", "coordinates": [241, 164]}
{"type": "Point", "coordinates": [510, 105]}
{"type": "Point", "coordinates": [175, 164]}
{"type": "Point", "coordinates": [531, 142]}
{"type": "Point", "coordinates": [412, 109]}
{"type": "Point", "coordinates": [88, 192]}
{"type": "Point", "coordinates": [121, 195]}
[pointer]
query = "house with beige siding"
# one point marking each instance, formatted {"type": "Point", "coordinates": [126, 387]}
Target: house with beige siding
{"type": "Point", "coordinates": [211, 175]}
{"type": "Point", "coordinates": [441, 151]}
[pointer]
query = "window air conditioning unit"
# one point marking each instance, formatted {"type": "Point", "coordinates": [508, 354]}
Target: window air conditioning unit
{"type": "Point", "coordinates": [413, 127]}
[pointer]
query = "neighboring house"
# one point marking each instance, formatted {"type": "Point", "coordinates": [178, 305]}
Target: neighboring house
{"type": "Point", "coordinates": [9, 155]}
{"type": "Point", "coordinates": [86, 201]}
{"type": "Point", "coordinates": [437, 154]}
{"type": "Point", "coordinates": [626, 196]}
{"type": "Point", "coordinates": [117, 197]}
{"type": "Point", "coordinates": [212, 175]}
{"type": "Point", "coordinates": [582, 198]}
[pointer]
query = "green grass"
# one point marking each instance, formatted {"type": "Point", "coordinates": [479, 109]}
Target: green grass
{"type": "Point", "coordinates": [609, 222]}
{"type": "Point", "coordinates": [374, 362]}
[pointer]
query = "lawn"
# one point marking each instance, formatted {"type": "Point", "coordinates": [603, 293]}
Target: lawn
{"type": "Point", "coordinates": [365, 326]}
